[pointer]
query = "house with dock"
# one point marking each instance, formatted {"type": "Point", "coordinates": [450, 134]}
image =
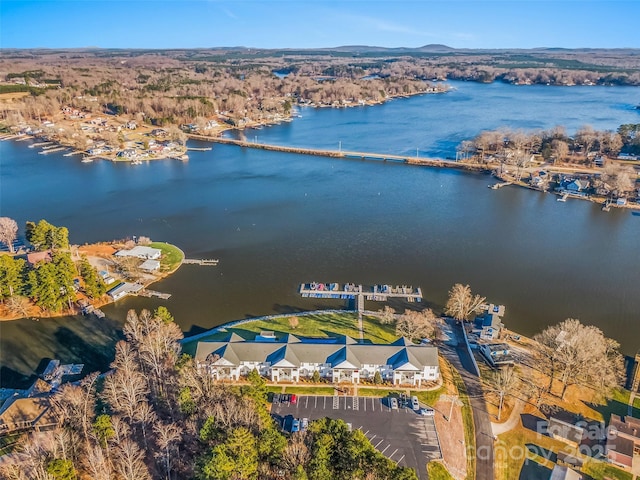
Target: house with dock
{"type": "Point", "coordinates": [342, 359]}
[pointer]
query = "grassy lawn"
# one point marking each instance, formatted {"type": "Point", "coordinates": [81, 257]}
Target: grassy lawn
{"type": "Point", "coordinates": [317, 325]}
{"type": "Point", "coordinates": [171, 257]}
{"type": "Point", "coordinates": [438, 471]}
{"type": "Point", "coordinates": [601, 470]}
{"type": "Point", "coordinates": [618, 404]}
{"type": "Point", "coordinates": [510, 460]}
{"type": "Point", "coordinates": [430, 397]}
{"type": "Point", "coordinates": [312, 390]}
{"type": "Point", "coordinates": [321, 325]}
{"type": "Point", "coordinates": [378, 392]}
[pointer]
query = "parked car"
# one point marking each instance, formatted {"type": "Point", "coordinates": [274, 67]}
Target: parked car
{"type": "Point", "coordinates": [393, 403]}
{"type": "Point", "coordinates": [427, 412]}
{"type": "Point", "coordinates": [349, 426]}
{"type": "Point", "coordinates": [415, 404]}
{"type": "Point", "coordinates": [285, 397]}
{"type": "Point", "coordinates": [275, 399]}
{"type": "Point", "coordinates": [295, 425]}
{"type": "Point", "coordinates": [293, 399]}
{"type": "Point", "coordinates": [304, 424]}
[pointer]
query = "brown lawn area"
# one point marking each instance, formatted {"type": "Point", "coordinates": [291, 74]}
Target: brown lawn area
{"type": "Point", "coordinates": [451, 433]}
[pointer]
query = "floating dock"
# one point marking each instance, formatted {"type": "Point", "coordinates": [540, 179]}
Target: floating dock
{"type": "Point", "coordinates": [153, 293]}
{"type": "Point", "coordinates": [351, 291]}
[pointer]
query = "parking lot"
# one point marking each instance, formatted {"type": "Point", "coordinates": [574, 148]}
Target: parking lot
{"type": "Point", "coordinates": [404, 436]}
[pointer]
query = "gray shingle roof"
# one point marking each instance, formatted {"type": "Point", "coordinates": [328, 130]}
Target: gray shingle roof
{"type": "Point", "coordinates": [300, 351]}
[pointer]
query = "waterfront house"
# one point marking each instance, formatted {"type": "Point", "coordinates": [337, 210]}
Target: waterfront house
{"type": "Point", "coordinates": [575, 186]}
{"type": "Point", "coordinates": [127, 153]}
{"type": "Point", "coordinates": [623, 440]}
{"type": "Point", "coordinates": [150, 265]}
{"type": "Point", "coordinates": [337, 360]}
{"type": "Point", "coordinates": [488, 325]}
{"type": "Point", "coordinates": [124, 289]}
{"type": "Point", "coordinates": [34, 257]}
{"type": "Point", "coordinates": [496, 354]}
{"type": "Point", "coordinates": [139, 251]}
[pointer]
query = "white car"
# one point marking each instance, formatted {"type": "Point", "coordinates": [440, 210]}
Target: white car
{"type": "Point", "coordinates": [427, 412]}
{"type": "Point", "coordinates": [414, 403]}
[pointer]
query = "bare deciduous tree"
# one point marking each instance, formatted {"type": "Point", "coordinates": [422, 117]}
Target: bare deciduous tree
{"type": "Point", "coordinates": [502, 382]}
{"type": "Point", "coordinates": [129, 461]}
{"type": "Point", "coordinates": [462, 303]}
{"type": "Point", "coordinates": [387, 315]}
{"type": "Point", "coordinates": [8, 231]}
{"type": "Point", "coordinates": [167, 437]}
{"type": "Point", "coordinates": [417, 325]}
{"type": "Point", "coordinates": [579, 354]}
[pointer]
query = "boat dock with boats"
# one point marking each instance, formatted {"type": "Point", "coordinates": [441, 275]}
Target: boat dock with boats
{"type": "Point", "coordinates": [351, 291]}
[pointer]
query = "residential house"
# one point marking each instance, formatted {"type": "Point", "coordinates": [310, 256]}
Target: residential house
{"type": "Point", "coordinates": [127, 153]}
{"type": "Point", "coordinates": [150, 265]}
{"type": "Point", "coordinates": [574, 185]}
{"type": "Point", "coordinates": [139, 251]}
{"type": "Point", "coordinates": [496, 354]}
{"type": "Point", "coordinates": [159, 132]}
{"type": "Point", "coordinates": [124, 289]}
{"type": "Point", "coordinates": [106, 278]}
{"type": "Point", "coordinates": [34, 257]}
{"type": "Point", "coordinates": [566, 432]}
{"type": "Point", "coordinates": [338, 360]}
{"type": "Point", "coordinates": [564, 473]}
{"type": "Point", "coordinates": [488, 325]}
{"type": "Point", "coordinates": [623, 440]}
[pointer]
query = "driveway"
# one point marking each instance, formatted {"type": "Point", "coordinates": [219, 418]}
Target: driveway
{"type": "Point", "coordinates": [402, 435]}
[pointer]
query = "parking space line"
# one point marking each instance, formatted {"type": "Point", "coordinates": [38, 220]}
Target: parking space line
{"type": "Point", "coordinates": [394, 452]}
{"type": "Point", "coordinates": [365, 433]}
{"type": "Point", "coordinates": [401, 458]}
{"type": "Point", "coordinates": [316, 400]}
{"type": "Point", "coordinates": [371, 439]}
{"type": "Point", "coordinates": [306, 403]}
{"type": "Point", "coordinates": [379, 442]}
{"type": "Point", "coordinates": [385, 449]}
{"type": "Point", "coordinates": [365, 404]}
{"type": "Point", "coordinates": [325, 403]}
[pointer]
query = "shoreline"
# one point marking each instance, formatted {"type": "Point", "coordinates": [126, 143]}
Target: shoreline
{"type": "Point", "coordinates": [102, 301]}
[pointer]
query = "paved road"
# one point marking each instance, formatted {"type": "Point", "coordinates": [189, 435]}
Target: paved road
{"type": "Point", "coordinates": [459, 358]}
{"type": "Point", "coordinates": [402, 435]}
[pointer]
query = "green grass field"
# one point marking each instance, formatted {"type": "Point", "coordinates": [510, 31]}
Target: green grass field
{"type": "Point", "coordinates": [171, 257]}
{"type": "Point", "coordinates": [322, 325]}
{"type": "Point", "coordinates": [438, 471]}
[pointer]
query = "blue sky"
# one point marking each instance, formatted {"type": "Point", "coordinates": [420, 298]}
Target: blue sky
{"type": "Point", "coordinates": [309, 24]}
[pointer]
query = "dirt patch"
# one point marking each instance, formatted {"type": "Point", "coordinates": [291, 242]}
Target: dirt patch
{"type": "Point", "coordinates": [451, 436]}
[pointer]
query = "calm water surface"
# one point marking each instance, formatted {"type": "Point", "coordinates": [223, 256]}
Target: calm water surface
{"type": "Point", "coordinates": [275, 220]}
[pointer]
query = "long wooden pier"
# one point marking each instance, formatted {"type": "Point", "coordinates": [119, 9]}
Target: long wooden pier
{"type": "Point", "coordinates": [344, 154]}
{"type": "Point", "coordinates": [205, 262]}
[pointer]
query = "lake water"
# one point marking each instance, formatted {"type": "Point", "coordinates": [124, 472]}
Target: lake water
{"type": "Point", "coordinates": [275, 220]}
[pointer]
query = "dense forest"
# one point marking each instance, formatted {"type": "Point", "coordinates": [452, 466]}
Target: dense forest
{"type": "Point", "coordinates": [188, 86]}
{"type": "Point", "coordinates": [155, 415]}
{"type": "Point", "coordinates": [49, 282]}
